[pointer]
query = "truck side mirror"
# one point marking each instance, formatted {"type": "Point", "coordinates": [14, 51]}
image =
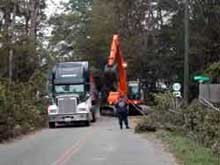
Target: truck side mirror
{"type": "Point", "coordinates": [46, 97]}
{"type": "Point", "coordinates": [87, 95]}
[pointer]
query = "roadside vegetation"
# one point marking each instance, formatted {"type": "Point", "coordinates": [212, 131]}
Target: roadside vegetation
{"type": "Point", "coordinates": [193, 132]}
{"type": "Point", "coordinates": [187, 151]}
{"type": "Point", "coordinates": [23, 67]}
{"type": "Point", "coordinates": [152, 43]}
{"type": "Point", "coordinates": [21, 109]}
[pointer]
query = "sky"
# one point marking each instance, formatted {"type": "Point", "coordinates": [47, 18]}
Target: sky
{"type": "Point", "coordinates": [54, 7]}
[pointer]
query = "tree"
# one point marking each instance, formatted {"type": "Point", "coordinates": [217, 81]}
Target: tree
{"type": "Point", "coordinates": [152, 34]}
{"type": "Point", "coordinates": [20, 37]}
{"type": "Point", "coordinates": [70, 30]}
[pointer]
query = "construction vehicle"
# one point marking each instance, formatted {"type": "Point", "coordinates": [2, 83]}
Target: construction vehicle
{"type": "Point", "coordinates": [115, 80]}
{"type": "Point", "coordinates": [135, 92]}
{"type": "Point", "coordinates": [72, 91]}
{"type": "Point", "coordinates": [135, 96]}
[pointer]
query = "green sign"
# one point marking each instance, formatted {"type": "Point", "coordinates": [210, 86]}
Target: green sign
{"type": "Point", "coordinates": [201, 78]}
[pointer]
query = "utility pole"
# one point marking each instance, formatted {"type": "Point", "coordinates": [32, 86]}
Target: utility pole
{"type": "Point", "coordinates": [186, 53]}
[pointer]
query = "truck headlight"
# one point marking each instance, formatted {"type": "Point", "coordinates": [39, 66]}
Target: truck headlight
{"type": "Point", "coordinates": [52, 110]}
{"type": "Point", "coordinates": [82, 109]}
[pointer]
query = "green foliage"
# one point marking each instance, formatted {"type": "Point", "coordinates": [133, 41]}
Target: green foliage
{"type": "Point", "coordinates": [70, 33]}
{"type": "Point", "coordinates": [195, 121]}
{"type": "Point", "coordinates": [148, 40]}
{"type": "Point", "coordinates": [21, 107]}
{"type": "Point", "coordinates": [214, 71]}
{"type": "Point", "coordinates": [148, 124]}
{"type": "Point", "coordinates": [165, 114]}
{"type": "Point", "coordinates": [188, 151]}
{"type": "Point", "coordinates": [21, 110]}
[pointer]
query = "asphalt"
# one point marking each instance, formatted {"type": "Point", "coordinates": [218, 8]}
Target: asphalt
{"type": "Point", "coordinates": [103, 143]}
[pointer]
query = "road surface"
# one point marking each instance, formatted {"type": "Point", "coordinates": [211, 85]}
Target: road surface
{"type": "Point", "coordinates": [101, 144]}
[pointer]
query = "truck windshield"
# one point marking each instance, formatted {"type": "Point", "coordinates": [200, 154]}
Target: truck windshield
{"type": "Point", "coordinates": [133, 91]}
{"type": "Point", "coordinates": [70, 89]}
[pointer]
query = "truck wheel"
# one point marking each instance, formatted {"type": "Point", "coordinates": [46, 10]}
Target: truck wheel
{"type": "Point", "coordinates": [87, 123]}
{"type": "Point", "coordinates": [93, 117]}
{"type": "Point", "coordinates": [51, 124]}
{"type": "Point", "coordinates": [101, 112]}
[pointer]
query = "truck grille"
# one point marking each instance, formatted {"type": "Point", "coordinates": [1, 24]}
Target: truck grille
{"type": "Point", "coordinates": [67, 105]}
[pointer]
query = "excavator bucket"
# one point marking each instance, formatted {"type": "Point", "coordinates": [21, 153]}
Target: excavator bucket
{"type": "Point", "coordinates": [113, 97]}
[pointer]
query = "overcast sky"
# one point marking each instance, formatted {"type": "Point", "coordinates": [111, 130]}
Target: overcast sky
{"type": "Point", "coordinates": [54, 7]}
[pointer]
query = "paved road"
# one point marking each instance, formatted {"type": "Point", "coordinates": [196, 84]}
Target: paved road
{"type": "Point", "coordinates": [101, 144]}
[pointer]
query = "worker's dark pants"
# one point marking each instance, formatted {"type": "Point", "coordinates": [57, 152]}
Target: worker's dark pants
{"type": "Point", "coordinates": [123, 117]}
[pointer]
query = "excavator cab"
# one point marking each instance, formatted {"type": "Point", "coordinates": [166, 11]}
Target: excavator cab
{"type": "Point", "coordinates": [135, 92]}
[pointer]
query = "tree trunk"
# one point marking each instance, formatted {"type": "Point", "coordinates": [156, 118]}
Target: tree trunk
{"type": "Point", "coordinates": [6, 25]}
{"type": "Point", "coordinates": [11, 51]}
{"type": "Point", "coordinates": [186, 54]}
{"type": "Point", "coordinates": [35, 7]}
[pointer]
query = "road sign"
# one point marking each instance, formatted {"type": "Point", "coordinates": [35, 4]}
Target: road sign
{"type": "Point", "coordinates": [201, 78]}
{"type": "Point", "coordinates": [176, 86]}
{"type": "Point", "coordinates": [177, 94]}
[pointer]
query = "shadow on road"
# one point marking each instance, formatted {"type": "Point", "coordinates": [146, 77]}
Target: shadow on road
{"type": "Point", "coordinates": [71, 125]}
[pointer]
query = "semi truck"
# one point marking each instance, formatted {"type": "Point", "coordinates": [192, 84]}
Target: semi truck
{"type": "Point", "coordinates": [72, 93]}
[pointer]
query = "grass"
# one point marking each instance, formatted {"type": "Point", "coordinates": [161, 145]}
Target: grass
{"type": "Point", "coordinates": [187, 151]}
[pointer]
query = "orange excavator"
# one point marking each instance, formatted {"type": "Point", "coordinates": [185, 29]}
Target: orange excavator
{"type": "Point", "coordinates": [115, 70]}
{"type": "Point", "coordinates": [115, 77]}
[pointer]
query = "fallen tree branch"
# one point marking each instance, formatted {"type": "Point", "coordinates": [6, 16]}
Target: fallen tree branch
{"type": "Point", "coordinates": [173, 111]}
{"type": "Point", "coordinates": [207, 103]}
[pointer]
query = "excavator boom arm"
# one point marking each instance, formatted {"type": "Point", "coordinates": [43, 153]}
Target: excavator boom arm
{"type": "Point", "coordinates": [116, 59]}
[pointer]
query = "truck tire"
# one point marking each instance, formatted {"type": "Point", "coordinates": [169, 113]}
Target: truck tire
{"type": "Point", "coordinates": [87, 123]}
{"type": "Point", "coordinates": [93, 117]}
{"type": "Point", "coordinates": [51, 124]}
{"type": "Point", "coordinates": [101, 112]}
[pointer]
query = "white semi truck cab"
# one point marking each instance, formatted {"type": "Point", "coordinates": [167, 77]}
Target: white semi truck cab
{"type": "Point", "coordinates": [70, 89]}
